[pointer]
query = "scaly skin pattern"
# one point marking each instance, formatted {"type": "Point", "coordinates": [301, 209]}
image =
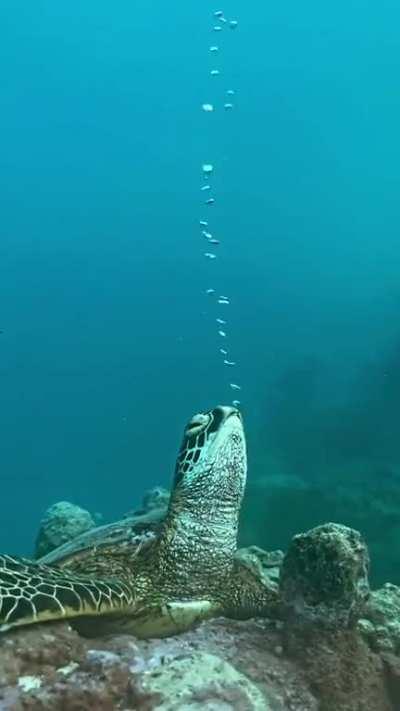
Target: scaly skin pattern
{"type": "Point", "coordinates": [164, 583]}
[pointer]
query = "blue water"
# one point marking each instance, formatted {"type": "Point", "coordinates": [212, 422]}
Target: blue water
{"type": "Point", "coordinates": [108, 342]}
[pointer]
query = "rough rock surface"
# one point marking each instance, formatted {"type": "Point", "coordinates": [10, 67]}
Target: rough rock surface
{"type": "Point", "coordinates": [61, 523]}
{"type": "Point", "coordinates": [324, 577]}
{"type": "Point", "coordinates": [324, 588]}
{"type": "Point", "coordinates": [318, 657]}
{"type": "Point", "coordinates": [221, 666]}
{"type": "Point", "coordinates": [155, 501]}
{"type": "Point", "coordinates": [380, 623]}
{"type": "Point", "coordinates": [266, 564]}
{"type": "Point", "coordinates": [342, 671]}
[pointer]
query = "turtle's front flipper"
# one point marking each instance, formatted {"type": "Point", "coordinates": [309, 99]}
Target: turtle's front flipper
{"type": "Point", "coordinates": [30, 592]}
{"type": "Point", "coordinates": [172, 617]}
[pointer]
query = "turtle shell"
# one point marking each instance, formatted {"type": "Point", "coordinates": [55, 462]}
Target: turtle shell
{"type": "Point", "coordinates": [130, 534]}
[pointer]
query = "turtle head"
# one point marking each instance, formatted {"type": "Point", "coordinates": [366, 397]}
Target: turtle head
{"type": "Point", "coordinates": [212, 458]}
{"type": "Point", "coordinates": [199, 535]}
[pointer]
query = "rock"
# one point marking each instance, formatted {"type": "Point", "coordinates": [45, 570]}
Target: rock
{"type": "Point", "coordinates": [154, 504]}
{"type": "Point", "coordinates": [157, 498]}
{"type": "Point", "coordinates": [266, 564]}
{"type": "Point", "coordinates": [316, 657]}
{"type": "Point", "coordinates": [64, 521]}
{"type": "Point", "coordinates": [204, 681]}
{"type": "Point", "coordinates": [324, 588]}
{"type": "Point", "coordinates": [221, 666]}
{"type": "Point", "coordinates": [324, 577]}
{"type": "Point", "coordinates": [61, 523]}
{"type": "Point", "coordinates": [343, 673]}
{"type": "Point", "coordinates": [35, 651]}
{"type": "Point", "coordinates": [380, 624]}
{"type": "Point", "coordinates": [44, 668]}
{"type": "Point", "coordinates": [291, 505]}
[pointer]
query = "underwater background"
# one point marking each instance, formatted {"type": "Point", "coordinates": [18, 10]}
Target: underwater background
{"type": "Point", "coordinates": [108, 341]}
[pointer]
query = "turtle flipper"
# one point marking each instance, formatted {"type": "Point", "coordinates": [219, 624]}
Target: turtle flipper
{"type": "Point", "coordinates": [170, 618]}
{"type": "Point", "coordinates": [31, 592]}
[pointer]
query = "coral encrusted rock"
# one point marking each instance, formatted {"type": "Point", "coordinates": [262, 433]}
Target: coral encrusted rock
{"type": "Point", "coordinates": [324, 577]}
{"type": "Point", "coordinates": [61, 523]}
{"type": "Point", "coordinates": [380, 623]}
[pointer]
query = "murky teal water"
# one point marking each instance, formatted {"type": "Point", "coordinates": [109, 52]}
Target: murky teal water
{"type": "Point", "coordinates": [108, 342]}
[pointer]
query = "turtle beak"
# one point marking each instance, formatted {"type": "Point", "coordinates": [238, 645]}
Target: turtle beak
{"type": "Point", "coordinates": [236, 412]}
{"type": "Point", "coordinates": [221, 414]}
{"type": "Point", "coordinates": [228, 411]}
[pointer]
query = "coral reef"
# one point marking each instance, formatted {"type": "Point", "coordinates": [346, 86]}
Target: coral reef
{"type": "Point", "coordinates": [221, 666]}
{"type": "Point", "coordinates": [61, 523]}
{"type": "Point", "coordinates": [154, 505]}
{"type": "Point", "coordinates": [291, 504]}
{"type": "Point", "coordinates": [156, 498]}
{"type": "Point", "coordinates": [335, 645]}
{"type": "Point", "coordinates": [380, 623]}
{"type": "Point", "coordinates": [342, 671]}
{"type": "Point", "coordinates": [324, 589]}
{"type": "Point", "coordinates": [324, 577]}
{"type": "Point", "coordinates": [266, 564]}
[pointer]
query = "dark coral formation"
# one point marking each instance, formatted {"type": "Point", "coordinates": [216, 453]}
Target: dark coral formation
{"type": "Point", "coordinates": [342, 671]}
{"type": "Point", "coordinates": [61, 523]}
{"type": "Point", "coordinates": [380, 622]}
{"type": "Point", "coordinates": [230, 665]}
{"type": "Point", "coordinates": [154, 505]}
{"type": "Point", "coordinates": [325, 589]}
{"type": "Point", "coordinates": [324, 577]}
{"type": "Point", "coordinates": [365, 499]}
{"type": "Point", "coordinates": [49, 668]}
{"type": "Point", "coordinates": [227, 665]}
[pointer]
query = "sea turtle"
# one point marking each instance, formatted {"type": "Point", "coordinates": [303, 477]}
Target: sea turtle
{"type": "Point", "coordinates": [156, 577]}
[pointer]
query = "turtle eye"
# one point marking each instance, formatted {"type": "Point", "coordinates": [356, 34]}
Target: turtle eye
{"type": "Point", "coordinates": [193, 442]}
{"type": "Point", "coordinates": [197, 424]}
